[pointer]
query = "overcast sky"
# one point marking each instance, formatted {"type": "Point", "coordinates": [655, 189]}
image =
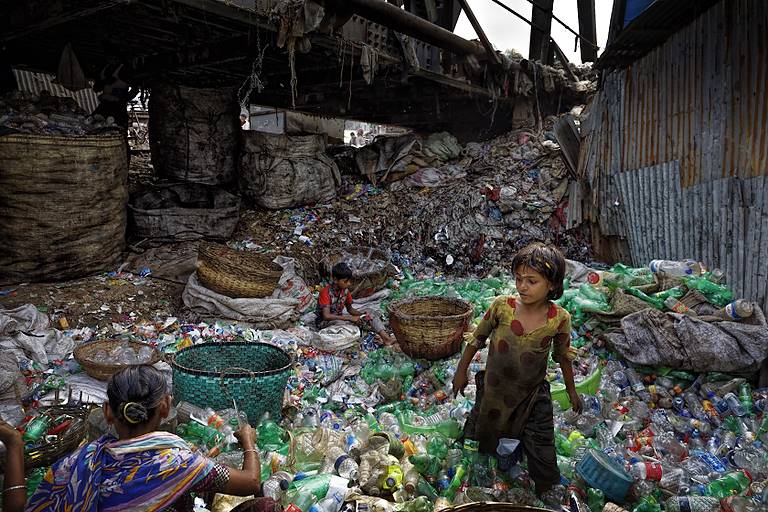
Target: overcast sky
{"type": "Point", "coordinates": [506, 31]}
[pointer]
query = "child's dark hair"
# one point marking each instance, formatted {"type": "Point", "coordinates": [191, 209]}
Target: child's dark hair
{"type": "Point", "coordinates": [341, 271]}
{"type": "Point", "coordinates": [547, 261]}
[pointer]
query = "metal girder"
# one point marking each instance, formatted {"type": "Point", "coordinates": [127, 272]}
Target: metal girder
{"type": "Point", "coordinates": [541, 28]}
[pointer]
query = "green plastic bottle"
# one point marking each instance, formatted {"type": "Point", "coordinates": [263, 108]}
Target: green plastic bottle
{"type": "Point", "coordinates": [456, 482]}
{"type": "Point", "coordinates": [595, 499]}
{"type": "Point", "coordinates": [194, 431]}
{"type": "Point", "coordinates": [425, 464]}
{"type": "Point", "coordinates": [715, 293]}
{"type": "Point", "coordinates": [731, 484]}
{"type": "Point", "coordinates": [647, 504]}
{"type": "Point", "coordinates": [438, 447]}
{"type": "Point", "coordinates": [424, 488]}
{"type": "Point", "coordinates": [448, 428]}
{"type": "Point", "coordinates": [745, 397]}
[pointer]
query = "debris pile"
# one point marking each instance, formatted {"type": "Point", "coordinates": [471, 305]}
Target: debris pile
{"type": "Point", "coordinates": [43, 114]}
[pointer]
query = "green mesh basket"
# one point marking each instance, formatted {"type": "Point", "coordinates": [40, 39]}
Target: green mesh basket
{"type": "Point", "coordinates": [212, 374]}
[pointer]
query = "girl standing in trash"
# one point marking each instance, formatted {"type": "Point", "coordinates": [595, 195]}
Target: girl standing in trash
{"type": "Point", "coordinates": [513, 399]}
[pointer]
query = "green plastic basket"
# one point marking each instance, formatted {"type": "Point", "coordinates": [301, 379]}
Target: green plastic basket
{"type": "Point", "coordinates": [588, 386]}
{"type": "Point", "coordinates": [212, 374]}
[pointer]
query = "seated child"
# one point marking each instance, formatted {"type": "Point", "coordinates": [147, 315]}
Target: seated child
{"type": "Point", "coordinates": [335, 297]}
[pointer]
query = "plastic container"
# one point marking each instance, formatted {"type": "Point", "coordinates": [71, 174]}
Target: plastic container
{"type": "Point", "coordinates": [602, 472]}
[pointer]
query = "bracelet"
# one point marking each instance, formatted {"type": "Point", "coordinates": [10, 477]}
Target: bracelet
{"type": "Point", "coordinates": [254, 450]}
{"type": "Point", "coordinates": [13, 488]}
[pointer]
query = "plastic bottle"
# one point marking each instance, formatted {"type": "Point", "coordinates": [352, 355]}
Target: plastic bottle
{"type": "Point", "coordinates": [742, 504]}
{"type": "Point", "coordinates": [36, 428]}
{"type": "Point", "coordinates": [595, 499]}
{"type": "Point", "coordinates": [389, 423]}
{"type": "Point", "coordinates": [692, 504]}
{"type": "Point", "coordinates": [694, 406]}
{"type": "Point", "coordinates": [424, 488]}
{"type": "Point", "coordinates": [426, 464]}
{"type": "Point", "coordinates": [734, 405]}
{"type": "Point", "coordinates": [732, 483]}
{"type": "Point", "coordinates": [678, 307]}
{"type": "Point", "coordinates": [637, 384]}
{"type": "Point", "coordinates": [646, 470]}
{"type": "Point", "coordinates": [716, 294]}
{"type": "Point", "coordinates": [460, 472]}
{"type": "Point", "coordinates": [675, 268]}
{"type": "Point", "coordinates": [332, 503]}
{"type": "Point", "coordinates": [392, 479]}
{"type": "Point", "coordinates": [737, 310]}
{"type": "Point", "coordinates": [752, 458]}
{"type": "Point", "coordinates": [448, 428]}
{"type": "Point", "coordinates": [668, 444]}
{"type": "Point", "coordinates": [410, 476]}
{"type": "Point", "coordinates": [745, 397]}
{"type": "Point", "coordinates": [194, 430]}
{"type": "Point", "coordinates": [276, 485]}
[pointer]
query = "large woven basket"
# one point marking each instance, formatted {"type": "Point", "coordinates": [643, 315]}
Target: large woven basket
{"type": "Point", "coordinates": [492, 506]}
{"type": "Point", "coordinates": [212, 374]}
{"type": "Point", "coordinates": [65, 443]}
{"type": "Point", "coordinates": [364, 284]}
{"type": "Point", "coordinates": [236, 274]}
{"type": "Point", "coordinates": [85, 354]}
{"type": "Point", "coordinates": [430, 327]}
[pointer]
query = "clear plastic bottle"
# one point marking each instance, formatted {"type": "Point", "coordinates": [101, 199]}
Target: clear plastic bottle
{"type": "Point", "coordinates": [694, 406]}
{"type": "Point", "coordinates": [347, 467]}
{"type": "Point", "coordinates": [692, 504]}
{"type": "Point", "coordinates": [734, 405]}
{"type": "Point", "coordinates": [736, 310]}
{"type": "Point", "coordinates": [276, 485]}
{"type": "Point", "coordinates": [684, 268]}
{"type": "Point", "coordinates": [389, 423]}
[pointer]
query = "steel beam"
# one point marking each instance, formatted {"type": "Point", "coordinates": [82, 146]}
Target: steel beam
{"type": "Point", "coordinates": [404, 22]}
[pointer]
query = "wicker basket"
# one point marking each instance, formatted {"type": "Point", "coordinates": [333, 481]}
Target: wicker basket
{"type": "Point", "coordinates": [489, 506]}
{"type": "Point", "coordinates": [65, 443]}
{"type": "Point", "coordinates": [212, 374]}
{"type": "Point", "coordinates": [85, 355]}
{"type": "Point", "coordinates": [364, 284]}
{"type": "Point", "coordinates": [430, 327]}
{"type": "Point", "coordinates": [236, 274]}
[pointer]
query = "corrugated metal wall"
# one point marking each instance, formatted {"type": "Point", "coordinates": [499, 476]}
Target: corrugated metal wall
{"type": "Point", "coordinates": [30, 81]}
{"type": "Point", "coordinates": [675, 148]}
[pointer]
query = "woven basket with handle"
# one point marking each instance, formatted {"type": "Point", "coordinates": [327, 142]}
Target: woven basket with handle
{"type": "Point", "coordinates": [236, 274]}
{"type": "Point", "coordinates": [65, 443]}
{"type": "Point", "coordinates": [430, 327]}
{"type": "Point", "coordinates": [86, 356]}
{"type": "Point", "coordinates": [212, 374]}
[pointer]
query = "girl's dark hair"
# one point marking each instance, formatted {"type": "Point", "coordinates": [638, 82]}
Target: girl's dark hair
{"type": "Point", "coordinates": [341, 271]}
{"type": "Point", "coordinates": [135, 392]}
{"type": "Point", "coordinates": [547, 261]}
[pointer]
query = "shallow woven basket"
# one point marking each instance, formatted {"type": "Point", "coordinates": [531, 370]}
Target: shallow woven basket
{"type": "Point", "coordinates": [212, 374]}
{"type": "Point", "coordinates": [65, 444]}
{"type": "Point", "coordinates": [84, 354]}
{"type": "Point", "coordinates": [492, 506]}
{"type": "Point", "coordinates": [236, 274]}
{"type": "Point", "coordinates": [364, 284]}
{"type": "Point", "coordinates": [430, 327]}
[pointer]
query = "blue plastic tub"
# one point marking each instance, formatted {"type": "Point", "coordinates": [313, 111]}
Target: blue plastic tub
{"type": "Point", "coordinates": [602, 472]}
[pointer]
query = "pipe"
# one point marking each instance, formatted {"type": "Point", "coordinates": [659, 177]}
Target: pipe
{"type": "Point", "coordinates": [480, 32]}
{"type": "Point", "coordinates": [380, 11]}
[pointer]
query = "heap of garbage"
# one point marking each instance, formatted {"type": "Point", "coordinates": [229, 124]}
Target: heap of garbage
{"type": "Point", "coordinates": [660, 431]}
{"type": "Point", "coordinates": [43, 114]}
{"type": "Point", "coordinates": [452, 209]}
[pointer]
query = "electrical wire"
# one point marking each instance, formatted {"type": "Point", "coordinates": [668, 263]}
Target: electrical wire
{"type": "Point", "coordinates": [579, 36]}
